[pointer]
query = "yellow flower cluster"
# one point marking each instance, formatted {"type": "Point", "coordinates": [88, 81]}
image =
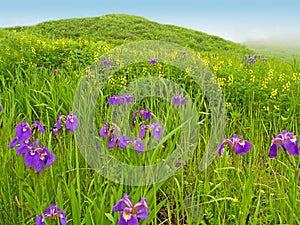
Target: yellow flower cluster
{"type": "Point", "coordinates": [33, 50]}
{"type": "Point", "coordinates": [281, 77]}
{"type": "Point", "coordinates": [111, 80]}
{"type": "Point", "coordinates": [230, 79]}
{"type": "Point", "coordinates": [7, 50]}
{"type": "Point", "coordinates": [106, 48]}
{"type": "Point", "coordinates": [252, 78]}
{"type": "Point", "coordinates": [274, 93]}
{"type": "Point", "coordinates": [286, 86]}
{"type": "Point", "coordinates": [228, 104]}
{"type": "Point", "coordinates": [221, 81]}
{"type": "Point", "coordinates": [123, 81]}
{"type": "Point", "coordinates": [294, 76]}
{"type": "Point", "coordinates": [161, 74]}
{"type": "Point", "coordinates": [267, 80]}
{"type": "Point", "coordinates": [96, 56]}
{"type": "Point", "coordinates": [266, 108]}
{"type": "Point", "coordinates": [144, 70]}
{"type": "Point", "coordinates": [205, 61]}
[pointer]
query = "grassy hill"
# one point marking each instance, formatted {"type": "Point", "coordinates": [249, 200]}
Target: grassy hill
{"type": "Point", "coordinates": [121, 28]}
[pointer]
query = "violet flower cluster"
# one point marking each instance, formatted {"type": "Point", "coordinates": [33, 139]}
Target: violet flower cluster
{"type": "Point", "coordinates": [71, 123]}
{"type": "Point", "coordinates": [106, 63]}
{"type": "Point", "coordinates": [178, 100]}
{"type": "Point", "coordinates": [153, 60]}
{"type": "Point", "coordinates": [253, 59]}
{"type": "Point", "coordinates": [131, 214]}
{"type": "Point", "coordinates": [287, 141]}
{"type": "Point", "coordinates": [114, 140]}
{"type": "Point", "coordinates": [154, 129]}
{"type": "Point", "coordinates": [51, 213]}
{"type": "Point", "coordinates": [120, 99]}
{"type": "Point", "coordinates": [35, 156]}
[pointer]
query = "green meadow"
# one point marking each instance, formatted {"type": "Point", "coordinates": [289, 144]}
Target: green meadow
{"type": "Point", "coordinates": [41, 68]}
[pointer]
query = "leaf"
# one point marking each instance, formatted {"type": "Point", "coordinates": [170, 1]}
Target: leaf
{"type": "Point", "coordinates": [75, 207]}
{"type": "Point", "coordinates": [110, 217]}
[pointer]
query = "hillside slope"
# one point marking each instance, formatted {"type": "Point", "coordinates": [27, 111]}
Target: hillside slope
{"type": "Point", "coordinates": [121, 28]}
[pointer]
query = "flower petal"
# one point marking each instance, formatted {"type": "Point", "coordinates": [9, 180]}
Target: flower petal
{"type": "Point", "coordinates": [273, 150]}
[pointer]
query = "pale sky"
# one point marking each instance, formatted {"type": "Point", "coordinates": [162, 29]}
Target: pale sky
{"type": "Point", "coordinates": [234, 20]}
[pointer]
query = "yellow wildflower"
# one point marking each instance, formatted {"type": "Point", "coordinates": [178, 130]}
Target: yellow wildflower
{"type": "Point", "coordinates": [235, 200]}
{"type": "Point", "coordinates": [230, 79]}
{"type": "Point", "coordinates": [281, 77]}
{"type": "Point", "coordinates": [33, 50]}
{"type": "Point", "coordinates": [286, 87]}
{"type": "Point", "coordinates": [274, 93]}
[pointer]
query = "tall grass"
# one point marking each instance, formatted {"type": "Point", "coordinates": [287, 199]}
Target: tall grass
{"type": "Point", "coordinates": [234, 189]}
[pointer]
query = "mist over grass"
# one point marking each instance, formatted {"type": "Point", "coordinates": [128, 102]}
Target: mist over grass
{"type": "Point", "coordinates": [285, 47]}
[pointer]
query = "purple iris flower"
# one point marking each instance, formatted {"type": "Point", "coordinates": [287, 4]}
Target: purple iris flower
{"type": "Point", "coordinates": [24, 147]}
{"type": "Point", "coordinates": [143, 113]}
{"type": "Point", "coordinates": [55, 71]}
{"type": "Point", "coordinates": [126, 98]}
{"type": "Point", "coordinates": [58, 123]}
{"type": "Point", "coordinates": [1, 108]}
{"type": "Point", "coordinates": [256, 55]}
{"type": "Point", "coordinates": [57, 126]}
{"type": "Point", "coordinates": [264, 59]}
{"type": "Point", "coordinates": [71, 122]}
{"type": "Point", "coordinates": [143, 131]}
{"type": "Point", "coordinates": [123, 141]}
{"type": "Point", "coordinates": [236, 143]}
{"type": "Point", "coordinates": [114, 100]}
{"type": "Point", "coordinates": [23, 131]}
{"type": "Point", "coordinates": [120, 99]}
{"type": "Point", "coordinates": [52, 212]}
{"type": "Point", "coordinates": [120, 141]}
{"type": "Point", "coordinates": [153, 60]}
{"type": "Point", "coordinates": [106, 63]}
{"type": "Point", "coordinates": [131, 214]}
{"type": "Point", "coordinates": [38, 158]}
{"type": "Point", "coordinates": [155, 130]}
{"type": "Point", "coordinates": [39, 126]}
{"type": "Point", "coordinates": [111, 142]}
{"type": "Point", "coordinates": [129, 98]}
{"type": "Point", "coordinates": [252, 59]}
{"type": "Point", "coordinates": [138, 145]}
{"type": "Point", "coordinates": [105, 130]}
{"type": "Point", "coordinates": [287, 141]}
{"type": "Point", "coordinates": [178, 100]}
